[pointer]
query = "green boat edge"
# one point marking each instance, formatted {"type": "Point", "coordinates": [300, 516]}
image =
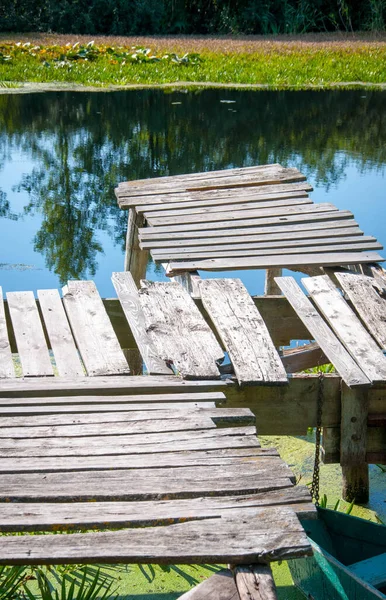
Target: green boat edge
{"type": "Point", "coordinates": [338, 541]}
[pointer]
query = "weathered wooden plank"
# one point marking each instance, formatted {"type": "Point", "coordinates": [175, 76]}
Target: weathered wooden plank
{"type": "Point", "coordinates": [30, 340]}
{"type": "Point", "coordinates": [124, 402]}
{"type": "Point", "coordinates": [220, 586]}
{"type": "Point", "coordinates": [233, 214]}
{"type": "Point", "coordinates": [58, 329]}
{"type": "Point", "coordinates": [71, 410]}
{"type": "Point", "coordinates": [93, 332]}
{"type": "Point", "coordinates": [263, 262]}
{"type": "Point", "coordinates": [261, 244]}
{"type": "Point", "coordinates": [255, 582]}
{"type": "Point", "coordinates": [347, 327]}
{"type": "Point", "coordinates": [138, 485]}
{"type": "Point", "coordinates": [57, 464]}
{"type": "Point", "coordinates": [329, 343]}
{"type": "Point", "coordinates": [245, 227]}
{"type": "Point", "coordinates": [189, 200]}
{"type": "Point", "coordinates": [369, 304]}
{"type": "Point", "coordinates": [218, 415]}
{"type": "Point", "coordinates": [318, 213]}
{"type": "Point", "coordinates": [303, 357]}
{"type": "Point", "coordinates": [284, 250]}
{"type": "Point", "coordinates": [259, 536]}
{"type": "Point", "coordinates": [259, 171]}
{"type": "Point", "coordinates": [113, 385]}
{"type": "Point", "coordinates": [127, 293]}
{"type": "Point", "coordinates": [152, 425]}
{"type": "Point", "coordinates": [303, 231]}
{"type": "Point", "coordinates": [6, 363]}
{"type": "Point", "coordinates": [267, 175]}
{"type": "Point", "coordinates": [268, 208]}
{"type": "Point", "coordinates": [242, 331]}
{"type": "Point", "coordinates": [45, 516]}
{"type": "Point", "coordinates": [178, 330]}
{"type": "Point", "coordinates": [211, 439]}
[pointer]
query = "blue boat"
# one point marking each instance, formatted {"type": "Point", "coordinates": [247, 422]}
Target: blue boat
{"type": "Point", "coordinates": [349, 560]}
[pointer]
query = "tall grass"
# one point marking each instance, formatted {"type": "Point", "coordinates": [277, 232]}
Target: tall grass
{"type": "Point", "coordinates": [278, 67]}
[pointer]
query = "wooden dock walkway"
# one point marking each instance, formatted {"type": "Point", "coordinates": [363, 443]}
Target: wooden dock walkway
{"type": "Point", "coordinates": [150, 461]}
{"type": "Point", "coordinates": [248, 218]}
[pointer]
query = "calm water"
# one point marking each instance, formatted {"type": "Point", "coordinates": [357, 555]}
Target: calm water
{"type": "Point", "coordinates": [62, 154]}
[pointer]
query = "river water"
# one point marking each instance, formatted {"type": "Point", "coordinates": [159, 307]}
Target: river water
{"type": "Point", "coordinates": [62, 154]}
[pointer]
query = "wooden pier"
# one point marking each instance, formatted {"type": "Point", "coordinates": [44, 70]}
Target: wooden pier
{"type": "Point", "coordinates": [153, 462]}
{"type": "Point", "coordinates": [137, 416]}
{"type": "Point", "coordinates": [262, 217]}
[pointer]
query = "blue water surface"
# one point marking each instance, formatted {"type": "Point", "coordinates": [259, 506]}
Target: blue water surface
{"type": "Point", "coordinates": [62, 154]}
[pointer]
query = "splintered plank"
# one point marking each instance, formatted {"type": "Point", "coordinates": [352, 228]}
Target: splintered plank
{"type": "Point", "coordinates": [231, 178]}
{"type": "Point", "coordinates": [93, 332]}
{"type": "Point", "coordinates": [45, 516]}
{"type": "Point", "coordinates": [6, 363]}
{"type": "Point", "coordinates": [257, 234]}
{"type": "Point", "coordinates": [243, 331]}
{"type": "Point", "coordinates": [234, 213]}
{"type": "Point", "coordinates": [210, 439]}
{"type": "Point", "coordinates": [371, 307]}
{"type": "Point", "coordinates": [226, 456]}
{"type": "Point", "coordinates": [62, 343]}
{"type": "Point", "coordinates": [229, 539]}
{"type": "Point", "coordinates": [322, 334]}
{"type": "Point", "coordinates": [347, 327]}
{"type": "Point", "coordinates": [179, 331]}
{"type": "Point", "coordinates": [29, 334]}
{"type": "Point", "coordinates": [86, 386]}
{"type": "Point", "coordinates": [266, 262]}
{"type": "Point", "coordinates": [127, 293]}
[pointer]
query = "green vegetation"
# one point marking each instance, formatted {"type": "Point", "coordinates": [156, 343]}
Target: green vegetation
{"type": "Point", "coordinates": [125, 17]}
{"type": "Point", "coordinates": [54, 583]}
{"type": "Point", "coordinates": [278, 67]}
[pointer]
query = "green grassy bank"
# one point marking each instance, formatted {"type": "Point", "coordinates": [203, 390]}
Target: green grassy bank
{"type": "Point", "coordinates": [277, 65]}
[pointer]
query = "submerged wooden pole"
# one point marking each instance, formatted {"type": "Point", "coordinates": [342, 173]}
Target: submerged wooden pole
{"type": "Point", "coordinates": [353, 443]}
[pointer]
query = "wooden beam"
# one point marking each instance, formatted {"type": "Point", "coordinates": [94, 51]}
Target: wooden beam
{"type": "Point", "coordinates": [303, 357]}
{"type": "Point", "coordinates": [353, 445]}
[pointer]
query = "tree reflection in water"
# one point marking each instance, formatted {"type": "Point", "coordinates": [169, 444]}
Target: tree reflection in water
{"type": "Point", "coordinates": [83, 144]}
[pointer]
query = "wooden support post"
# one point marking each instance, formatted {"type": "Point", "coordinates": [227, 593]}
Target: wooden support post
{"type": "Point", "coordinates": [135, 259]}
{"type": "Point", "coordinates": [254, 582]}
{"type": "Point", "coordinates": [136, 262]}
{"type": "Point", "coordinates": [271, 288]}
{"type": "Point", "coordinates": [353, 444]}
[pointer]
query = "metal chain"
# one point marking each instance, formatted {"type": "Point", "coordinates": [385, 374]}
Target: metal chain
{"type": "Point", "coordinates": [315, 476]}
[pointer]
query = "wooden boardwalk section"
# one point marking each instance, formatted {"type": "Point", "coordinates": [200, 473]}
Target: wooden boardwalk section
{"type": "Point", "coordinates": [248, 218]}
{"type": "Point", "coordinates": [153, 463]}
